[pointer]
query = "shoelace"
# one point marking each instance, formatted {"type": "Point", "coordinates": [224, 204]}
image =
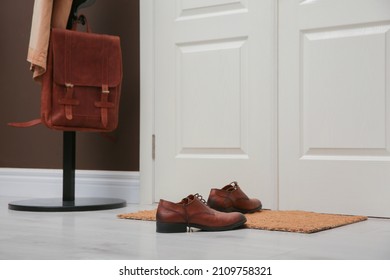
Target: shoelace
{"type": "Point", "coordinates": [234, 185]}
{"type": "Point", "coordinates": [200, 197]}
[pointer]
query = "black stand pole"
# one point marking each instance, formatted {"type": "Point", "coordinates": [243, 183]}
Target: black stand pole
{"type": "Point", "coordinates": [68, 201]}
{"type": "Point", "coordinates": [69, 166]}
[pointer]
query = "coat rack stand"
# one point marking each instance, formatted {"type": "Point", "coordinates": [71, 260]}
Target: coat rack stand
{"type": "Point", "coordinates": [68, 202]}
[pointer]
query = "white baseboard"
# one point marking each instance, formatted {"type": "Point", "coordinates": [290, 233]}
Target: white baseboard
{"type": "Point", "coordinates": [45, 183]}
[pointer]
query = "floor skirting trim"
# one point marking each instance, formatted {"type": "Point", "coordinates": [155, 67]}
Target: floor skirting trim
{"type": "Point", "coordinates": [44, 183]}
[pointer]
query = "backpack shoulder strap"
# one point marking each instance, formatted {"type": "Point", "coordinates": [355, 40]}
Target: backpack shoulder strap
{"type": "Point", "coordinates": [25, 124]}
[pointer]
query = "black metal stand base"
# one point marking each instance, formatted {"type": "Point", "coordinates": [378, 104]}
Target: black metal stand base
{"type": "Point", "coordinates": [68, 202]}
{"type": "Point", "coordinates": [58, 205]}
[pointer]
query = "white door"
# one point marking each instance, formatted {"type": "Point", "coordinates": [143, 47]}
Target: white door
{"type": "Point", "coordinates": [214, 97]}
{"type": "Point", "coordinates": [334, 104]}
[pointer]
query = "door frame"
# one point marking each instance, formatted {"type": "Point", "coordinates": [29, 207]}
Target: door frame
{"type": "Point", "coordinates": [147, 104]}
{"type": "Point", "coordinates": [147, 82]}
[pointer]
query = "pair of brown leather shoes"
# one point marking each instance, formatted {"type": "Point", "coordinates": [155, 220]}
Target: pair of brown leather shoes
{"type": "Point", "coordinates": [193, 211]}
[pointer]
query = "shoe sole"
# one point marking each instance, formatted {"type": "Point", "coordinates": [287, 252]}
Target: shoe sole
{"type": "Point", "coordinates": [175, 227]}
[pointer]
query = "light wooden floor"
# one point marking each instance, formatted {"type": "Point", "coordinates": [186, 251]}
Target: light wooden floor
{"type": "Point", "coordinates": [101, 235]}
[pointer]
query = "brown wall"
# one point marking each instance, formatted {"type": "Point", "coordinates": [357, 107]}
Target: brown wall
{"type": "Point", "coordinates": [39, 147]}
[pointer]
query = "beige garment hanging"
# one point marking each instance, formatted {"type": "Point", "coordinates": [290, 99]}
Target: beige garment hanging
{"type": "Point", "coordinates": [46, 14]}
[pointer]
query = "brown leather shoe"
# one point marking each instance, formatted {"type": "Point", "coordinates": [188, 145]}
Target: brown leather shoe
{"type": "Point", "coordinates": [232, 199]}
{"type": "Point", "coordinates": [192, 211]}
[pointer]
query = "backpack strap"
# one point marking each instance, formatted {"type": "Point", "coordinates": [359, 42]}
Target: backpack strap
{"type": "Point", "coordinates": [104, 104]}
{"type": "Point", "coordinates": [68, 101]}
{"type": "Point", "coordinates": [25, 124]}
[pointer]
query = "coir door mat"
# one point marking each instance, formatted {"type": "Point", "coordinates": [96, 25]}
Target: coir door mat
{"type": "Point", "coordinates": [291, 221]}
